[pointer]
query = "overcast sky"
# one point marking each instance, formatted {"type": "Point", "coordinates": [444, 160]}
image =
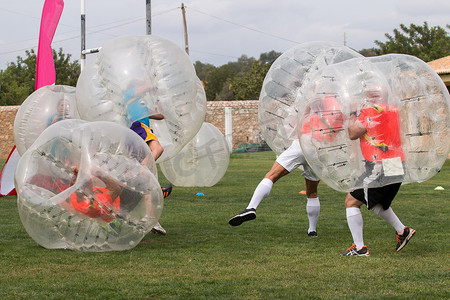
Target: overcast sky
{"type": "Point", "coordinates": [218, 31]}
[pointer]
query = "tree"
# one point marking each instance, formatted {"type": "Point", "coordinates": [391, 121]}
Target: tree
{"type": "Point", "coordinates": [17, 81]}
{"type": "Point", "coordinates": [215, 80]}
{"type": "Point", "coordinates": [202, 70]}
{"type": "Point", "coordinates": [248, 85]}
{"type": "Point", "coordinates": [421, 41]}
{"type": "Point", "coordinates": [269, 57]}
{"type": "Point", "coordinates": [67, 72]}
{"type": "Point", "coordinates": [368, 52]}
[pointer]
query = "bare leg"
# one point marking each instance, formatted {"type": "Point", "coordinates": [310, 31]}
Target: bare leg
{"type": "Point", "coordinates": [276, 172]}
{"type": "Point", "coordinates": [156, 148]}
{"type": "Point", "coordinates": [311, 188]}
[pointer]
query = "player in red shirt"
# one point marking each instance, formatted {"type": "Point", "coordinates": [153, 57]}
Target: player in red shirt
{"type": "Point", "coordinates": [378, 130]}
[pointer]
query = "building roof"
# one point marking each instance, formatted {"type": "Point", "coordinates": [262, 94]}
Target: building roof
{"type": "Point", "coordinates": [441, 65]}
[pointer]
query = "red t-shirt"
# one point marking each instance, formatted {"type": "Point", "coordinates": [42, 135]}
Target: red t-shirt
{"type": "Point", "coordinates": [325, 124]}
{"type": "Point", "coordinates": [102, 206]}
{"type": "Point", "coordinates": [382, 139]}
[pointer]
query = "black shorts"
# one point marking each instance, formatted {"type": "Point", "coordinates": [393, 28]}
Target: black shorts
{"type": "Point", "coordinates": [379, 195]}
{"type": "Point", "coordinates": [129, 199]}
{"type": "Point", "coordinates": [380, 188]}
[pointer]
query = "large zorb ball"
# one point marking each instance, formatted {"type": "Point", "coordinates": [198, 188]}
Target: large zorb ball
{"type": "Point", "coordinates": [202, 162]}
{"type": "Point", "coordinates": [88, 186]}
{"type": "Point", "coordinates": [285, 80]}
{"type": "Point", "coordinates": [136, 76]}
{"type": "Point", "coordinates": [403, 103]}
{"type": "Point", "coordinates": [44, 107]}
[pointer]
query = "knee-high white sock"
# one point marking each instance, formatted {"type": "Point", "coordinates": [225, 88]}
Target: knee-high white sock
{"type": "Point", "coordinates": [262, 191]}
{"type": "Point", "coordinates": [355, 224]}
{"type": "Point", "coordinates": [389, 216]}
{"type": "Point", "coordinates": [313, 211]}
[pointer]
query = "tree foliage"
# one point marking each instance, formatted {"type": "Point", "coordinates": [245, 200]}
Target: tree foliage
{"type": "Point", "coordinates": [222, 83]}
{"type": "Point", "coordinates": [424, 42]}
{"type": "Point", "coordinates": [248, 85]}
{"type": "Point", "coordinates": [269, 57]}
{"type": "Point", "coordinates": [368, 52]}
{"type": "Point", "coordinates": [17, 81]}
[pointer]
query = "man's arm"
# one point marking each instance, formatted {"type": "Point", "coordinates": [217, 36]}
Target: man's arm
{"type": "Point", "coordinates": [355, 128]}
{"type": "Point", "coordinates": [156, 117]}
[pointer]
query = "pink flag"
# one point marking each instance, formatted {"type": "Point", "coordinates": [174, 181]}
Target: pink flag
{"type": "Point", "coordinates": [45, 75]}
{"type": "Point", "coordinates": [45, 67]}
{"type": "Point", "coordinates": [7, 174]}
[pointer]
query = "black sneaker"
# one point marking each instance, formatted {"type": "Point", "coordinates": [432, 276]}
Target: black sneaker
{"type": "Point", "coordinates": [352, 251]}
{"type": "Point", "coordinates": [312, 234]}
{"type": "Point", "coordinates": [245, 215]}
{"type": "Point", "coordinates": [167, 190]}
{"type": "Point", "coordinates": [403, 239]}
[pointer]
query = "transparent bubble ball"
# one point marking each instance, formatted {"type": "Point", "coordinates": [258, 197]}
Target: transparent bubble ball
{"type": "Point", "coordinates": [44, 107]}
{"type": "Point", "coordinates": [285, 81]}
{"type": "Point", "coordinates": [88, 186]}
{"type": "Point", "coordinates": [202, 162]}
{"type": "Point", "coordinates": [403, 103]}
{"type": "Point", "coordinates": [136, 76]}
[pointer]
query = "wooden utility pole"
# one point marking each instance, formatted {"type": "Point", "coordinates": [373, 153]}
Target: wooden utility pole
{"type": "Point", "coordinates": [186, 43]}
{"type": "Point", "coordinates": [148, 8]}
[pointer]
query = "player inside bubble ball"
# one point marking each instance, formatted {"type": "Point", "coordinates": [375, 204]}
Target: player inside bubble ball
{"type": "Point", "coordinates": [108, 199]}
{"type": "Point", "coordinates": [137, 109]}
{"type": "Point", "coordinates": [62, 112]}
{"type": "Point", "coordinates": [378, 129]}
{"type": "Point", "coordinates": [323, 122]}
{"type": "Point", "coordinates": [98, 198]}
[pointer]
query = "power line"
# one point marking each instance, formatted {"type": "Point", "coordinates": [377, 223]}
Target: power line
{"type": "Point", "coordinates": [215, 54]}
{"type": "Point", "coordinates": [18, 13]}
{"type": "Point", "coordinates": [243, 26]}
{"type": "Point", "coordinates": [137, 19]}
{"type": "Point", "coordinates": [125, 22]}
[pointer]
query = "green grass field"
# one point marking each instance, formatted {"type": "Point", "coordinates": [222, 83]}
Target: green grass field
{"type": "Point", "coordinates": [202, 257]}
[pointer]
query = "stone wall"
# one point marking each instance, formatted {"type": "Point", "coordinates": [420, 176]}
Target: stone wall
{"type": "Point", "coordinates": [245, 126]}
{"type": "Point", "coordinates": [7, 115]}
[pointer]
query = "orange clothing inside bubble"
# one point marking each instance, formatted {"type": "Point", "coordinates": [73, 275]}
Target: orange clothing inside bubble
{"type": "Point", "coordinates": [380, 142]}
{"type": "Point", "coordinates": [325, 122]}
{"type": "Point", "coordinates": [102, 206]}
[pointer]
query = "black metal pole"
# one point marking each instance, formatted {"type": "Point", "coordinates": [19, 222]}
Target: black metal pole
{"type": "Point", "coordinates": [148, 9]}
{"type": "Point", "coordinates": [83, 34]}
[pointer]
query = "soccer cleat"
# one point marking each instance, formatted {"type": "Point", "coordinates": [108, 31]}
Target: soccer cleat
{"type": "Point", "coordinates": [312, 234]}
{"type": "Point", "coordinates": [352, 251]}
{"type": "Point", "coordinates": [245, 215]}
{"type": "Point", "coordinates": [167, 190]}
{"type": "Point", "coordinates": [158, 229]}
{"type": "Point", "coordinates": [403, 239]}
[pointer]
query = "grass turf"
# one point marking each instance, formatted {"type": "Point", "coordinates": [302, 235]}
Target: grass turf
{"type": "Point", "coordinates": [202, 257]}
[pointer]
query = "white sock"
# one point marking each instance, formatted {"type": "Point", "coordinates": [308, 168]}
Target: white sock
{"type": "Point", "coordinates": [313, 211]}
{"type": "Point", "coordinates": [355, 224]}
{"type": "Point", "coordinates": [389, 216]}
{"type": "Point", "coordinates": [262, 191]}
